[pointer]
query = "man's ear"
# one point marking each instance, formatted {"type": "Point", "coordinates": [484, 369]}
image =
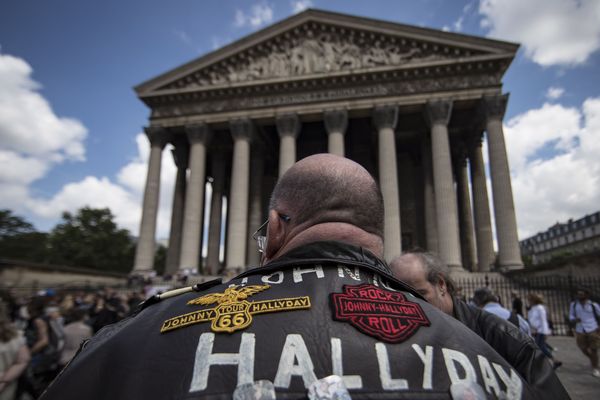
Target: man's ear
{"type": "Point", "coordinates": [275, 235]}
{"type": "Point", "coordinates": [441, 284]}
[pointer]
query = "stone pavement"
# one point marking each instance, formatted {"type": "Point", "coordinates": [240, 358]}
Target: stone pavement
{"type": "Point", "coordinates": [575, 373]}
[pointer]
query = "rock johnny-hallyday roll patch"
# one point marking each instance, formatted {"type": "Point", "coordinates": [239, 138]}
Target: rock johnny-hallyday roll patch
{"type": "Point", "coordinates": [380, 313]}
{"type": "Point", "coordinates": [233, 312]}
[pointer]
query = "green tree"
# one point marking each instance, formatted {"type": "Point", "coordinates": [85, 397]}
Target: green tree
{"type": "Point", "coordinates": [19, 240]}
{"type": "Point", "coordinates": [91, 239]}
{"type": "Point", "coordinates": [160, 259]}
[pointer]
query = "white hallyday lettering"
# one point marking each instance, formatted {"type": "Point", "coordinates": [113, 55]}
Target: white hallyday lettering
{"type": "Point", "coordinates": [452, 358]}
{"type": "Point", "coordinates": [269, 278]}
{"type": "Point", "coordinates": [385, 375]}
{"type": "Point", "coordinates": [244, 281]}
{"type": "Point", "coordinates": [298, 272]}
{"type": "Point", "coordinates": [514, 386]}
{"type": "Point", "coordinates": [354, 275]}
{"type": "Point", "coordinates": [205, 358]}
{"type": "Point", "coordinates": [427, 359]}
{"type": "Point", "coordinates": [489, 378]}
{"type": "Point", "coordinates": [351, 381]}
{"type": "Point", "coordinates": [294, 349]}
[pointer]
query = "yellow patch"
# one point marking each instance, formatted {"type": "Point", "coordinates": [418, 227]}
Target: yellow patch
{"type": "Point", "coordinates": [233, 312]}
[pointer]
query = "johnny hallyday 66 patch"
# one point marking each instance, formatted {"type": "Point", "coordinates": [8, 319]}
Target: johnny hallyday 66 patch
{"type": "Point", "coordinates": [383, 314]}
{"type": "Point", "coordinates": [233, 311]}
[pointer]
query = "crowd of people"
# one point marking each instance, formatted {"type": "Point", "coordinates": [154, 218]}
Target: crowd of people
{"type": "Point", "coordinates": [39, 335]}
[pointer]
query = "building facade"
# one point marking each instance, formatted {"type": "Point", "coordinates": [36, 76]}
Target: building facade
{"type": "Point", "coordinates": [581, 236]}
{"type": "Point", "coordinates": [409, 104]}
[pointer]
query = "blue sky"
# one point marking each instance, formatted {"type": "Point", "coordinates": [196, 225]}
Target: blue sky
{"type": "Point", "coordinates": [70, 123]}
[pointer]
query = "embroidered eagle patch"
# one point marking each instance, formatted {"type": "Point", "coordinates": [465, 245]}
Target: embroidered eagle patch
{"type": "Point", "coordinates": [380, 313]}
{"type": "Point", "coordinates": [233, 312]}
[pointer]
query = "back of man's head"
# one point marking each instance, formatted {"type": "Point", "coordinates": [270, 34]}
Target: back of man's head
{"type": "Point", "coordinates": [484, 295]}
{"type": "Point", "coordinates": [325, 188]}
{"type": "Point", "coordinates": [432, 266]}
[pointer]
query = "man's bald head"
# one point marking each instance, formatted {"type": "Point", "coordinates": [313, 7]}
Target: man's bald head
{"type": "Point", "coordinates": [326, 188]}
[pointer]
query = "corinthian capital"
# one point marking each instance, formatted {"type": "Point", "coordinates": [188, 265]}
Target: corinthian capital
{"type": "Point", "coordinates": [200, 132]}
{"type": "Point", "coordinates": [336, 121]}
{"type": "Point", "coordinates": [288, 125]}
{"type": "Point", "coordinates": [385, 116]}
{"type": "Point", "coordinates": [158, 137]}
{"type": "Point", "coordinates": [438, 112]}
{"type": "Point", "coordinates": [494, 106]}
{"type": "Point", "coordinates": [242, 128]}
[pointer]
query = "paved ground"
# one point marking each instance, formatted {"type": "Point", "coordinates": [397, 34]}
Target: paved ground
{"type": "Point", "coordinates": [575, 373]}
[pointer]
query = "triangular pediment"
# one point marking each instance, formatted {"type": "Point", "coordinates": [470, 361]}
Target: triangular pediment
{"type": "Point", "coordinates": [319, 43]}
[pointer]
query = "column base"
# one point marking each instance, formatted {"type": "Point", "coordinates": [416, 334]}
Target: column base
{"type": "Point", "coordinates": [510, 267]}
{"type": "Point", "coordinates": [456, 268]}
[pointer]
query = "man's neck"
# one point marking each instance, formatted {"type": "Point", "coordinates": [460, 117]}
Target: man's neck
{"type": "Point", "coordinates": [336, 231]}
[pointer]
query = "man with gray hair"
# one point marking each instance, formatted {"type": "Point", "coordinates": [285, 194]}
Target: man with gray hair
{"type": "Point", "coordinates": [430, 276]}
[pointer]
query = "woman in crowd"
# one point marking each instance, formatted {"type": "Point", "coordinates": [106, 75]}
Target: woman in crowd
{"type": "Point", "coordinates": [14, 355]}
{"type": "Point", "coordinates": [538, 321]}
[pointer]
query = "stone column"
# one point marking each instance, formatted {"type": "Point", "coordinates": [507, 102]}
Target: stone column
{"type": "Point", "coordinates": [465, 214]}
{"type": "Point", "coordinates": [144, 254]}
{"type": "Point", "coordinates": [438, 116]}
{"type": "Point", "coordinates": [255, 219]}
{"type": "Point", "coordinates": [336, 122]}
{"type": "Point", "coordinates": [180, 155]}
{"type": "Point", "coordinates": [509, 255]}
{"type": "Point", "coordinates": [242, 131]}
{"type": "Point", "coordinates": [198, 136]}
{"type": "Point", "coordinates": [481, 210]}
{"type": "Point", "coordinates": [385, 119]}
{"type": "Point", "coordinates": [288, 127]}
{"type": "Point", "coordinates": [431, 233]}
{"type": "Point", "coordinates": [214, 227]}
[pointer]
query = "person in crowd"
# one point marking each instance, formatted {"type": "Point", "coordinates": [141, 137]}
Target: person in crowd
{"type": "Point", "coordinates": [517, 303]}
{"type": "Point", "coordinates": [540, 329]}
{"type": "Point", "coordinates": [485, 299]}
{"type": "Point", "coordinates": [430, 276]}
{"type": "Point", "coordinates": [323, 309]}
{"type": "Point", "coordinates": [106, 311]}
{"type": "Point", "coordinates": [75, 333]}
{"type": "Point", "coordinates": [14, 355]}
{"type": "Point", "coordinates": [584, 314]}
{"type": "Point", "coordinates": [43, 358]}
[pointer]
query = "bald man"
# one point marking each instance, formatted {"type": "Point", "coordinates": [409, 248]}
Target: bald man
{"type": "Point", "coordinates": [323, 315]}
{"type": "Point", "coordinates": [430, 276]}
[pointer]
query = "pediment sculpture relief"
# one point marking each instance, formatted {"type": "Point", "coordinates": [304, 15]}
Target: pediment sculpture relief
{"type": "Point", "coordinates": [312, 53]}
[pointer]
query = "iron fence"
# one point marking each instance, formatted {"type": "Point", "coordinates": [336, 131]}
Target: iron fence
{"type": "Point", "coordinates": [558, 292]}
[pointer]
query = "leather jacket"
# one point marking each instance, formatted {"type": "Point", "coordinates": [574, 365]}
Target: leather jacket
{"type": "Point", "coordinates": [516, 347]}
{"type": "Point", "coordinates": [326, 308]}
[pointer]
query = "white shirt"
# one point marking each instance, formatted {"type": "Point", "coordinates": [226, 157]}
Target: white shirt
{"type": "Point", "coordinates": [538, 319]}
{"type": "Point", "coordinates": [497, 309]}
{"type": "Point", "coordinates": [585, 314]}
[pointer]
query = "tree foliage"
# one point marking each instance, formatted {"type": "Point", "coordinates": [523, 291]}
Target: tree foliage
{"type": "Point", "coordinates": [91, 239]}
{"type": "Point", "coordinates": [19, 239]}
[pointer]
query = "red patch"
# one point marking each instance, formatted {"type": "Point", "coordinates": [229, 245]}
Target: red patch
{"type": "Point", "coordinates": [380, 313]}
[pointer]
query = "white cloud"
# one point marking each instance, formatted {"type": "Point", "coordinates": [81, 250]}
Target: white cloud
{"type": "Point", "coordinates": [553, 32]}
{"type": "Point", "coordinates": [123, 197]}
{"type": "Point", "coordinates": [32, 137]}
{"type": "Point", "coordinates": [28, 125]}
{"type": "Point", "coordinates": [301, 5]}
{"type": "Point", "coordinates": [458, 24]}
{"type": "Point", "coordinates": [260, 14]}
{"type": "Point", "coordinates": [555, 167]}
{"type": "Point", "coordinates": [554, 93]}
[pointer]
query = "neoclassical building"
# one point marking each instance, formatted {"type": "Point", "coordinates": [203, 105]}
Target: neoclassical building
{"type": "Point", "coordinates": [412, 105]}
